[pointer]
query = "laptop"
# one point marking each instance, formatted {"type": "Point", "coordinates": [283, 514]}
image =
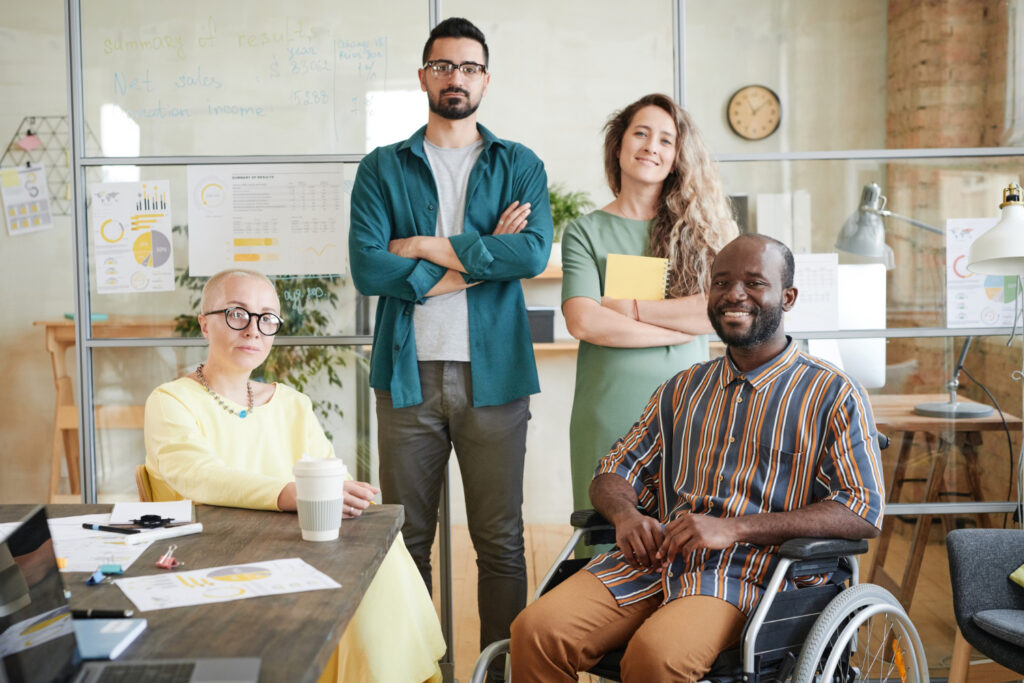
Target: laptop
{"type": "Point", "coordinates": [37, 640]}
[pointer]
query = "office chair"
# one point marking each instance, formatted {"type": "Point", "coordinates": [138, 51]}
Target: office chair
{"type": "Point", "coordinates": [989, 608]}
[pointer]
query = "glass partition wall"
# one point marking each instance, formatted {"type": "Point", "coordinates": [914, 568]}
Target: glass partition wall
{"type": "Point", "coordinates": [867, 91]}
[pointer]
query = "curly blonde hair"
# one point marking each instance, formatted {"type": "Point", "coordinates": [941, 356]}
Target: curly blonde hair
{"type": "Point", "coordinates": [694, 219]}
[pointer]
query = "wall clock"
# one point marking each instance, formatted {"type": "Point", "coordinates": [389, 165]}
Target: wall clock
{"type": "Point", "coordinates": [754, 112]}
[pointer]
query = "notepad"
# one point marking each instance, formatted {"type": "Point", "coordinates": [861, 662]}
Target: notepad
{"type": "Point", "coordinates": [636, 277]}
{"type": "Point", "coordinates": [106, 638]}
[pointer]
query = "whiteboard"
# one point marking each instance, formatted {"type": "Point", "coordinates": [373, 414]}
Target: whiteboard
{"type": "Point", "coordinates": [250, 76]}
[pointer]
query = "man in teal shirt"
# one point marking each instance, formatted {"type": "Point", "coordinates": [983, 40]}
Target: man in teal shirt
{"type": "Point", "coordinates": [444, 226]}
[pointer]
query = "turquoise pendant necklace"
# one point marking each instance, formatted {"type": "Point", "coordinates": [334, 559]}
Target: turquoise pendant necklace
{"type": "Point", "coordinates": [218, 399]}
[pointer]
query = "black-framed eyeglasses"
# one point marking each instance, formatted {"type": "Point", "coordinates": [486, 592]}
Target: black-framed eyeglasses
{"type": "Point", "coordinates": [238, 318]}
{"type": "Point", "coordinates": [442, 68]}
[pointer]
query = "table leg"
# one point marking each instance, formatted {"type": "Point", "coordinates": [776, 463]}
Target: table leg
{"type": "Point", "coordinates": [895, 488]}
{"type": "Point", "coordinates": [968, 443]}
{"type": "Point", "coordinates": [924, 525]}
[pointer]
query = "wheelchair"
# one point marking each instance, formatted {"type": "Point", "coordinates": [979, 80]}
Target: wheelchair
{"type": "Point", "coordinates": [842, 631]}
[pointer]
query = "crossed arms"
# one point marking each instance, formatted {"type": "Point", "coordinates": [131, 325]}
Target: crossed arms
{"type": "Point", "coordinates": [391, 257]}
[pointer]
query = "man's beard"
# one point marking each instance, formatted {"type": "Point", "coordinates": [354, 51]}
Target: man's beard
{"type": "Point", "coordinates": [765, 323]}
{"type": "Point", "coordinates": [455, 111]}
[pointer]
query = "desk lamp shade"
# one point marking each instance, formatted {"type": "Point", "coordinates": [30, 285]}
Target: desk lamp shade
{"type": "Point", "coordinates": [863, 233]}
{"type": "Point", "coordinates": [1000, 251]}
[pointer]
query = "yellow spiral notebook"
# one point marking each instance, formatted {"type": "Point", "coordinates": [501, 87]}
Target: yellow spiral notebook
{"type": "Point", "coordinates": [636, 277]}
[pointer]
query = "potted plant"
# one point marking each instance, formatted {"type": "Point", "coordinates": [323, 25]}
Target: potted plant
{"type": "Point", "coordinates": [566, 206]}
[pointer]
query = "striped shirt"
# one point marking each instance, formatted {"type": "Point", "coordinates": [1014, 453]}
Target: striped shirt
{"type": "Point", "coordinates": [715, 441]}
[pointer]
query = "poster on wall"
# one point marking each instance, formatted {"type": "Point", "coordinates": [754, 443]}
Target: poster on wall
{"type": "Point", "coordinates": [278, 219]}
{"type": "Point", "coordinates": [973, 299]}
{"type": "Point", "coordinates": [26, 199]}
{"type": "Point", "coordinates": [132, 236]}
{"type": "Point", "coordinates": [816, 277]}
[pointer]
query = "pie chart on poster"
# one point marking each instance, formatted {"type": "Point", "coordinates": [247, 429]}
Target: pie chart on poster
{"type": "Point", "coordinates": [1001, 289]}
{"type": "Point", "coordinates": [151, 249]}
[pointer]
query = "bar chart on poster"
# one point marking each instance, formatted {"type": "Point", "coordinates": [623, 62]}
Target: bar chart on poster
{"type": "Point", "coordinates": [237, 77]}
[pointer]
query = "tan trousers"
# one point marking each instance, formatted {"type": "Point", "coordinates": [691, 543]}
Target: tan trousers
{"type": "Point", "coordinates": [571, 627]}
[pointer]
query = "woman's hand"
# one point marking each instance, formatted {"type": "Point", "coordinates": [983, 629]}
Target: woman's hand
{"type": "Point", "coordinates": [358, 496]}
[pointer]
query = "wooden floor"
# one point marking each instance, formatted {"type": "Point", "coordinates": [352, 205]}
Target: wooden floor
{"type": "Point", "coordinates": [931, 610]}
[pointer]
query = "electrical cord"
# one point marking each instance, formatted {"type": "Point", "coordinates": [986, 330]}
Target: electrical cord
{"type": "Point", "coordinates": [1006, 428]}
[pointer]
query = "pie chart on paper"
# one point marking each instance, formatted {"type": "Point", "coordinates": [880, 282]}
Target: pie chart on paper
{"type": "Point", "coordinates": [239, 574]}
{"type": "Point", "coordinates": [151, 249]}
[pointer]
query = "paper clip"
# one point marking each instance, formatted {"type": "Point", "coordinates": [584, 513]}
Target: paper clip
{"type": "Point", "coordinates": [167, 560]}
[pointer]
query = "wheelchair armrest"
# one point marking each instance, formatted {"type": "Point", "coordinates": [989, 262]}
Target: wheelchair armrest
{"type": "Point", "coordinates": [587, 519]}
{"type": "Point", "coordinates": [821, 548]}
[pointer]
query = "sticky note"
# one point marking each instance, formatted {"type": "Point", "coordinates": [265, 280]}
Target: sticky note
{"type": "Point", "coordinates": [9, 177]}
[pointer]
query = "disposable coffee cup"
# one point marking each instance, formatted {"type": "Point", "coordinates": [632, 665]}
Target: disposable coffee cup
{"type": "Point", "coordinates": [320, 495]}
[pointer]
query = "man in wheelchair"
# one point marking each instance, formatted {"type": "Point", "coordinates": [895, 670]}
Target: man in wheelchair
{"type": "Point", "coordinates": [729, 459]}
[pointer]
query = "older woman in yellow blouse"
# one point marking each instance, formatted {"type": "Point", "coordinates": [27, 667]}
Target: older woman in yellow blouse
{"type": "Point", "coordinates": [218, 437]}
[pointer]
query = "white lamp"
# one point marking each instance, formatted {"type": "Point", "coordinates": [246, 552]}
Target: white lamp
{"type": "Point", "coordinates": [1000, 251]}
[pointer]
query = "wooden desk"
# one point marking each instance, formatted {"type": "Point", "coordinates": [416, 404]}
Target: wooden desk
{"type": "Point", "coordinates": [294, 634]}
{"type": "Point", "coordinates": [894, 414]}
{"type": "Point", "coordinates": [60, 336]}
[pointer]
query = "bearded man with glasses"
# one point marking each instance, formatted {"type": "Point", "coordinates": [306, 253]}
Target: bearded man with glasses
{"type": "Point", "coordinates": [443, 227]}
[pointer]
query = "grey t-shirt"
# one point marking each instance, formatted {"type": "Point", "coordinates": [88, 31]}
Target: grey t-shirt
{"type": "Point", "coordinates": [441, 323]}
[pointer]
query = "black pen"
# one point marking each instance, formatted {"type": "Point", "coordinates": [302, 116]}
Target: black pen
{"type": "Point", "coordinates": [115, 529]}
{"type": "Point", "coordinates": [101, 613]}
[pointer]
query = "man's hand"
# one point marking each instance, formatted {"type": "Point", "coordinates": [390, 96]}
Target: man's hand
{"type": "Point", "coordinates": [406, 247]}
{"type": "Point", "coordinates": [512, 219]}
{"type": "Point", "coordinates": [690, 532]}
{"type": "Point", "coordinates": [639, 538]}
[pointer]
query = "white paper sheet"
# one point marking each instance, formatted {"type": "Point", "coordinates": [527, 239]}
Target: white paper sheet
{"type": "Point", "coordinates": [132, 237]}
{"type": "Point", "coordinates": [178, 511]}
{"type": "Point", "coordinates": [974, 300]}
{"type": "Point", "coordinates": [223, 584]}
{"type": "Point", "coordinates": [26, 199]}
{"type": "Point", "coordinates": [279, 219]}
{"type": "Point", "coordinates": [85, 550]}
{"type": "Point", "coordinates": [817, 303]}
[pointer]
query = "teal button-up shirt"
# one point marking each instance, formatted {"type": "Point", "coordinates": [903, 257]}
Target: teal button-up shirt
{"type": "Point", "coordinates": [395, 196]}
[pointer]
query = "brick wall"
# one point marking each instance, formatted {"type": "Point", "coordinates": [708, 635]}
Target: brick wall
{"type": "Point", "coordinates": [946, 87]}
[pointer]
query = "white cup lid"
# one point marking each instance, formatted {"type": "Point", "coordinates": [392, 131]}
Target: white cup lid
{"type": "Point", "coordinates": [319, 467]}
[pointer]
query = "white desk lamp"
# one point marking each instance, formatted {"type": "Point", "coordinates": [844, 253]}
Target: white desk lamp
{"type": "Point", "coordinates": [863, 234]}
{"type": "Point", "coordinates": [1000, 251]}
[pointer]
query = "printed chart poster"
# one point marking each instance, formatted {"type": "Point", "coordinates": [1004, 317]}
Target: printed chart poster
{"type": "Point", "coordinates": [222, 584]}
{"type": "Point", "coordinates": [132, 223]}
{"type": "Point", "coordinates": [278, 219]}
{"type": "Point", "coordinates": [974, 300]}
{"type": "Point", "coordinates": [26, 199]}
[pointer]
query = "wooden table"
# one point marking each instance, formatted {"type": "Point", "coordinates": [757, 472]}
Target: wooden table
{"type": "Point", "coordinates": [60, 336]}
{"type": "Point", "coordinates": [294, 634]}
{"type": "Point", "coordinates": [894, 414]}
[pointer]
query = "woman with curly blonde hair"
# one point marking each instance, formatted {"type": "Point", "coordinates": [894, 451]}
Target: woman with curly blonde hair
{"type": "Point", "coordinates": [668, 203]}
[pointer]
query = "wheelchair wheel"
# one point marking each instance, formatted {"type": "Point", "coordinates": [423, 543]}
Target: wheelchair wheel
{"type": "Point", "coordinates": [864, 634]}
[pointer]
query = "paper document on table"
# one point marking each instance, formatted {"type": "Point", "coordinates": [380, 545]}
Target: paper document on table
{"type": "Point", "coordinates": [223, 584]}
{"type": "Point", "coordinates": [84, 550]}
{"type": "Point", "coordinates": [179, 511]}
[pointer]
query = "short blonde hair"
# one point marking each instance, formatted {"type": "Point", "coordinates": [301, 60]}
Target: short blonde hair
{"type": "Point", "coordinates": [212, 285]}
